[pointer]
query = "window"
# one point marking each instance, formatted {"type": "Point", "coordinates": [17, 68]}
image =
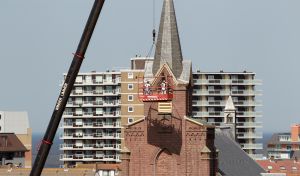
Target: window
{"type": "Point", "coordinates": [130, 109]}
{"type": "Point", "coordinates": [105, 173]}
{"type": "Point", "coordinates": [99, 110]}
{"type": "Point", "coordinates": [210, 77]}
{"type": "Point", "coordinates": [130, 86]}
{"type": "Point", "coordinates": [294, 168]}
{"type": "Point", "coordinates": [0, 116]}
{"type": "Point", "coordinates": [270, 167]}
{"type": "Point", "coordinates": [282, 168]}
{"type": "Point", "coordinates": [130, 97]}
{"type": "Point", "coordinates": [130, 119]}
{"type": "Point", "coordinates": [130, 75]}
{"type": "Point", "coordinates": [78, 111]}
{"type": "Point", "coordinates": [78, 79]}
{"type": "Point", "coordinates": [99, 79]}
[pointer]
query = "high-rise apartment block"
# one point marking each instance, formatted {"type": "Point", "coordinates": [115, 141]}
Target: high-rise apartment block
{"type": "Point", "coordinates": [101, 102]}
{"type": "Point", "coordinates": [210, 93]}
{"type": "Point", "coordinates": [91, 121]}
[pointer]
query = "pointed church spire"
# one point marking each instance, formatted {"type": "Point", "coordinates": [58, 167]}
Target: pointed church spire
{"type": "Point", "coordinates": [168, 49]}
{"type": "Point", "coordinates": [229, 104]}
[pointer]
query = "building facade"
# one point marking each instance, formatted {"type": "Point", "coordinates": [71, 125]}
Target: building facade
{"type": "Point", "coordinates": [285, 145]}
{"type": "Point", "coordinates": [10, 123]}
{"type": "Point", "coordinates": [167, 141]}
{"type": "Point", "coordinates": [210, 93]}
{"type": "Point", "coordinates": [91, 121]}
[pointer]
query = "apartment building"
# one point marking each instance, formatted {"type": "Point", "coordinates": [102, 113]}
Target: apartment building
{"type": "Point", "coordinates": [91, 122]}
{"type": "Point", "coordinates": [210, 93]}
{"type": "Point", "coordinates": [285, 145]}
{"type": "Point", "coordinates": [10, 124]}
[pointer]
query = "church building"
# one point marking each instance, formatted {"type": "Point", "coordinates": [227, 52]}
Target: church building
{"type": "Point", "coordinates": [168, 141]}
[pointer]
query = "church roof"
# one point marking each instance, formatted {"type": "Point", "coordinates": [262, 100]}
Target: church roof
{"type": "Point", "coordinates": [233, 160]}
{"type": "Point", "coordinates": [168, 48]}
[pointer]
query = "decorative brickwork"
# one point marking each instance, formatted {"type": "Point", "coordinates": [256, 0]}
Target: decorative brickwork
{"type": "Point", "coordinates": [169, 144]}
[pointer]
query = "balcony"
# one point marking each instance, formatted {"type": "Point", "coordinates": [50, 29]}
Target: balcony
{"type": "Point", "coordinates": [280, 149]}
{"type": "Point", "coordinates": [99, 82]}
{"type": "Point", "coordinates": [247, 103]}
{"type": "Point", "coordinates": [91, 136]}
{"type": "Point", "coordinates": [248, 114]}
{"type": "Point", "coordinates": [249, 135]}
{"type": "Point", "coordinates": [90, 147]}
{"type": "Point", "coordinates": [223, 103]}
{"type": "Point", "coordinates": [91, 125]}
{"type": "Point", "coordinates": [95, 157]}
{"type": "Point", "coordinates": [249, 124]}
{"type": "Point", "coordinates": [222, 92]}
{"type": "Point", "coordinates": [92, 114]}
{"type": "Point", "coordinates": [256, 156]}
{"type": "Point", "coordinates": [209, 114]}
{"type": "Point", "coordinates": [227, 82]}
{"type": "Point", "coordinates": [251, 146]}
{"type": "Point", "coordinates": [111, 92]}
{"type": "Point", "coordinates": [208, 103]}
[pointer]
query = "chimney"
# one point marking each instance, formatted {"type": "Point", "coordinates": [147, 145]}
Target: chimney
{"type": "Point", "coordinates": [272, 159]}
{"type": "Point", "coordinates": [295, 132]}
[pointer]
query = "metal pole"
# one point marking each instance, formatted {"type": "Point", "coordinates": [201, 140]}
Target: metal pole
{"type": "Point", "coordinates": [66, 89]}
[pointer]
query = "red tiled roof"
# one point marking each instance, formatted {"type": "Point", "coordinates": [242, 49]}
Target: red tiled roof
{"type": "Point", "coordinates": [291, 167]}
{"type": "Point", "coordinates": [9, 142]}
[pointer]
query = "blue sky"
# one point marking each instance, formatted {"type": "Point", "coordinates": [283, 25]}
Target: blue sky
{"type": "Point", "coordinates": [37, 39]}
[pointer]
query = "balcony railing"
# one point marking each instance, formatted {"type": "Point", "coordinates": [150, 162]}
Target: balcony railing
{"type": "Point", "coordinates": [252, 146]}
{"type": "Point", "coordinates": [90, 157]}
{"type": "Point", "coordinates": [256, 156]}
{"type": "Point", "coordinates": [223, 103]}
{"type": "Point", "coordinates": [103, 81]}
{"type": "Point", "coordinates": [249, 135]}
{"type": "Point", "coordinates": [221, 92]}
{"type": "Point", "coordinates": [90, 146]}
{"type": "Point", "coordinates": [91, 125]}
{"type": "Point", "coordinates": [93, 114]}
{"type": "Point", "coordinates": [91, 135]}
{"type": "Point", "coordinates": [227, 81]}
{"type": "Point", "coordinates": [249, 124]}
{"type": "Point", "coordinates": [209, 114]}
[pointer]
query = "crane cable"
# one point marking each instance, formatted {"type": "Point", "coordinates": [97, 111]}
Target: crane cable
{"type": "Point", "coordinates": [153, 31]}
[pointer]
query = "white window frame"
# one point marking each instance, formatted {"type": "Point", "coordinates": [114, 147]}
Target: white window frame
{"type": "Point", "coordinates": [130, 120]}
{"type": "Point", "coordinates": [129, 86]}
{"type": "Point", "coordinates": [130, 107]}
{"type": "Point", "coordinates": [130, 97]}
{"type": "Point", "coordinates": [130, 75]}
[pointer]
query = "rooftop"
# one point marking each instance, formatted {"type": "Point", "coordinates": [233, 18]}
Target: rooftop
{"type": "Point", "coordinates": [9, 142]}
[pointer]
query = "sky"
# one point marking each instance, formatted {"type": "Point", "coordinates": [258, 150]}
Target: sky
{"type": "Point", "coordinates": [38, 37]}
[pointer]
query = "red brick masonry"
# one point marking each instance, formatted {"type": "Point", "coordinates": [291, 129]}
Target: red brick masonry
{"type": "Point", "coordinates": [169, 144]}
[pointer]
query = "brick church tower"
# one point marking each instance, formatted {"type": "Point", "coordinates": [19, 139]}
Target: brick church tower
{"type": "Point", "coordinates": [167, 141]}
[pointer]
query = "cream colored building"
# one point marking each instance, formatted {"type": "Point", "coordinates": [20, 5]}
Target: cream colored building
{"type": "Point", "coordinates": [18, 123]}
{"type": "Point", "coordinates": [91, 121]}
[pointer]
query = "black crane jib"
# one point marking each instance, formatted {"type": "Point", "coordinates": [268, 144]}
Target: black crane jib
{"type": "Point", "coordinates": [66, 89]}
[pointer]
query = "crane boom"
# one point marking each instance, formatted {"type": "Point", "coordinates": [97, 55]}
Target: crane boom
{"type": "Point", "coordinates": [66, 89]}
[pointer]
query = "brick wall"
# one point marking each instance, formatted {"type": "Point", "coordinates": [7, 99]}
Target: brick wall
{"type": "Point", "coordinates": [164, 145]}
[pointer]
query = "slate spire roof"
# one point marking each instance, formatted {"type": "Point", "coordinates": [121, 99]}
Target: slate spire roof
{"type": "Point", "coordinates": [168, 48]}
